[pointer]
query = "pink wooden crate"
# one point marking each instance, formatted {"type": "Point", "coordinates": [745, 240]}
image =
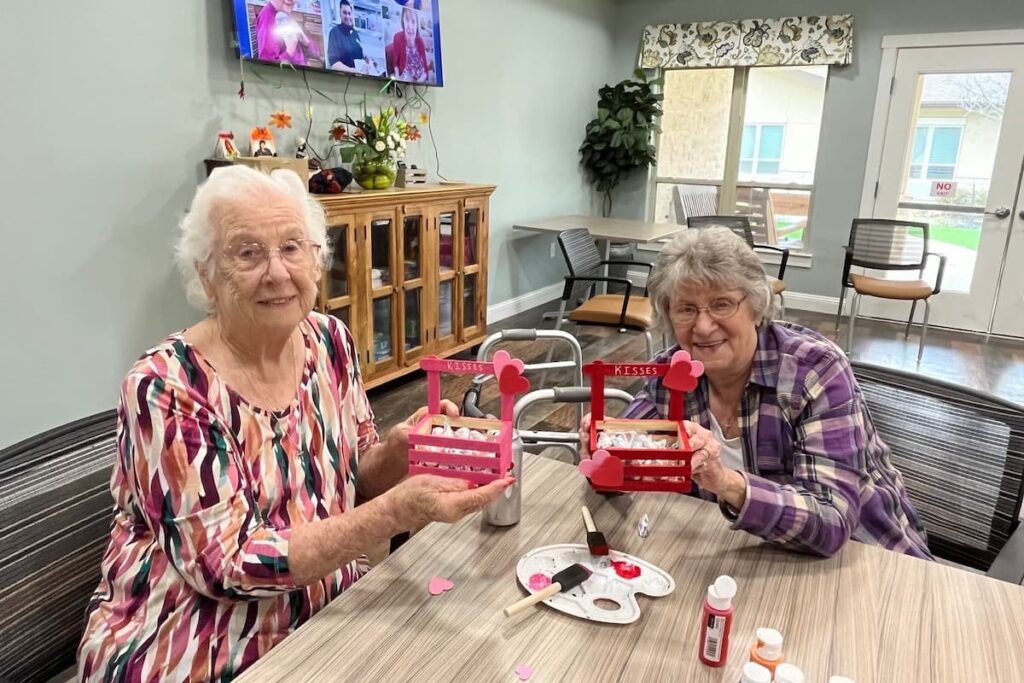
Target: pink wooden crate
{"type": "Point", "coordinates": [618, 469]}
{"type": "Point", "coordinates": [491, 458]}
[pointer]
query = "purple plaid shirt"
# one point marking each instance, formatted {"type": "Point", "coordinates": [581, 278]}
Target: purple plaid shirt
{"type": "Point", "coordinates": [817, 472]}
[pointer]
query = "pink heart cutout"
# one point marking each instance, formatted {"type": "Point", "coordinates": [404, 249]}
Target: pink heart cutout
{"type": "Point", "coordinates": [502, 360]}
{"type": "Point", "coordinates": [603, 469]}
{"type": "Point", "coordinates": [684, 372]}
{"type": "Point", "coordinates": [511, 381]}
{"type": "Point", "coordinates": [524, 672]}
{"type": "Point", "coordinates": [439, 585]}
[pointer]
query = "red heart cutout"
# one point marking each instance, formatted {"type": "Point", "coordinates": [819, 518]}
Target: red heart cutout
{"type": "Point", "coordinates": [511, 381]}
{"type": "Point", "coordinates": [684, 372]}
{"type": "Point", "coordinates": [603, 469]}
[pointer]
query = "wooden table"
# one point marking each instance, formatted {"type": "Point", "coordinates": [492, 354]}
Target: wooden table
{"type": "Point", "coordinates": [607, 230]}
{"type": "Point", "coordinates": [867, 613]}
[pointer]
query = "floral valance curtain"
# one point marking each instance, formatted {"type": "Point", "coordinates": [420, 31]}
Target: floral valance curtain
{"type": "Point", "coordinates": [789, 41]}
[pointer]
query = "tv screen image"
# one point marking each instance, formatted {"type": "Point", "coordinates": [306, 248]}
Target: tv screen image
{"type": "Point", "coordinates": [399, 39]}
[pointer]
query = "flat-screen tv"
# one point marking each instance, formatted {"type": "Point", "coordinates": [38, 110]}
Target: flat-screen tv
{"type": "Point", "coordinates": [398, 39]}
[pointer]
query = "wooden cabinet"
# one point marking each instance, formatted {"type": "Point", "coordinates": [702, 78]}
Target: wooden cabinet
{"type": "Point", "coordinates": [408, 273]}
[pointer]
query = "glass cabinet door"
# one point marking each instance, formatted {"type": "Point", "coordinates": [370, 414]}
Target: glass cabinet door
{"type": "Point", "coordinates": [446, 254]}
{"type": "Point", "coordinates": [473, 243]}
{"type": "Point", "coordinates": [382, 337]}
{"type": "Point", "coordinates": [416, 278]}
{"type": "Point", "coordinates": [338, 284]}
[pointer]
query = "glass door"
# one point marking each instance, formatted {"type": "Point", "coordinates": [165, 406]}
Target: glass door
{"type": "Point", "coordinates": [473, 245]}
{"type": "Point", "coordinates": [444, 258]}
{"type": "Point", "coordinates": [952, 159]}
{"type": "Point", "coordinates": [380, 277]}
{"type": "Point", "coordinates": [415, 275]}
{"type": "Point", "coordinates": [339, 282]}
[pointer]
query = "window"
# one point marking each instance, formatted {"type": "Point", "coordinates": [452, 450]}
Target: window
{"type": "Point", "coordinates": [761, 166]}
{"type": "Point", "coordinates": [761, 149]}
{"type": "Point", "coordinates": [936, 150]}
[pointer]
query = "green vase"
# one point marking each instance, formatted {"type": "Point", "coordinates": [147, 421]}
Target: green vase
{"type": "Point", "coordinates": [374, 173]}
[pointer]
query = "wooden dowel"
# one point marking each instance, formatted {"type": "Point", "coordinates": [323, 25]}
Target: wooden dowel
{"type": "Point", "coordinates": [588, 520]}
{"type": "Point", "coordinates": [539, 596]}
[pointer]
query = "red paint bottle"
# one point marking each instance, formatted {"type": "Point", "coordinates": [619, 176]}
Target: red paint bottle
{"type": "Point", "coordinates": [714, 629]}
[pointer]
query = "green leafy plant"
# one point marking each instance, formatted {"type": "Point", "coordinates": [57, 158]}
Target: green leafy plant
{"type": "Point", "coordinates": [618, 142]}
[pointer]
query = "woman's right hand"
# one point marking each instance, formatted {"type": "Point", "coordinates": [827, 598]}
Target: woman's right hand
{"type": "Point", "coordinates": [429, 498]}
{"type": "Point", "coordinates": [585, 437]}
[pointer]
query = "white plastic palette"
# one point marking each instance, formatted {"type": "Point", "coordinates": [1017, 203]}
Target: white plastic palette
{"type": "Point", "coordinates": [604, 587]}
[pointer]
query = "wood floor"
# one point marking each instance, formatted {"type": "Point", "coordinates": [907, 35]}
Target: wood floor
{"type": "Point", "coordinates": [995, 365]}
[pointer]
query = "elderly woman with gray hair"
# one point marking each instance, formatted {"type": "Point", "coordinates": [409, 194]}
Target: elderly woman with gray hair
{"type": "Point", "coordinates": [243, 443]}
{"type": "Point", "coordinates": [780, 431]}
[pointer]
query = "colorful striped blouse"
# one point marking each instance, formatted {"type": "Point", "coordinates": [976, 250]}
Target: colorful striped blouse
{"type": "Point", "coordinates": [817, 471]}
{"type": "Point", "coordinates": [195, 581]}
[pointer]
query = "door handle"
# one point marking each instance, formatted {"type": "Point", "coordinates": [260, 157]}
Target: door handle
{"type": "Point", "coordinates": [1000, 212]}
{"type": "Point", "coordinates": [1021, 214]}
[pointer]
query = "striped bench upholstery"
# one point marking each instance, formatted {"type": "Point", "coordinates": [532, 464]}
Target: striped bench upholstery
{"type": "Point", "coordinates": [961, 453]}
{"type": "Point", "coordinates": [55, 515]}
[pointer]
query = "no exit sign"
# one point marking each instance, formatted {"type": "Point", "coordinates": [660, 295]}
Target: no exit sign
{"type": "Point", "coordinates": [943, 188]}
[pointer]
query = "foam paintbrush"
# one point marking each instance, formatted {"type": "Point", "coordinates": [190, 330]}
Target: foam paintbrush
{"type": "Point", "coordinates": [595, 539]}
{"type": "Point", "coordinates": [562, 581]}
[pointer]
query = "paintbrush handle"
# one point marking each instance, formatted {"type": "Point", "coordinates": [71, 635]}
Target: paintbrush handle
{"type": "Point", "coordinates": [542, 594]}
{"type": "Point", "coordinates": [588, 520]}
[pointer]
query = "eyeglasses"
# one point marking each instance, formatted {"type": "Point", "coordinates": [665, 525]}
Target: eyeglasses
{"type": "Point", "coordinates": [250, 256]}
{"type": "Point", "coordinates": [719, 309]}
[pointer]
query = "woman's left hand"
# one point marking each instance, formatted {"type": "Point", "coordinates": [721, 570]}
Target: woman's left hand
{"type": "Point", "coordinates": [706, 465]}
{"type": "Point", "coordinates": [398, 438]}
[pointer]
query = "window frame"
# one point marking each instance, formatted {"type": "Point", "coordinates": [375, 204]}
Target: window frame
{"type": "Point", "coordinates": [734, 137]}
{"type": "Point", "coordinates": [757, 159]}
{"type": "Point", "coordinates": [930, 125]}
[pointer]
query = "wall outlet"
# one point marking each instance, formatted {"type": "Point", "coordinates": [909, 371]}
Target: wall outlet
{"type": "Point", "coordinates": [552, 250]}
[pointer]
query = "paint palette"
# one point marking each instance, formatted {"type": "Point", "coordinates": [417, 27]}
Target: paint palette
{"type": "Point", "coordinates": [609, 595]}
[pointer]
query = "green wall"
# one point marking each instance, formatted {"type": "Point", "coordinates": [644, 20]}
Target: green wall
{"type": "Point", "coordinates": [110, 107]}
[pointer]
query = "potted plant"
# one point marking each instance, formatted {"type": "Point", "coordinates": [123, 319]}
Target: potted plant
{"type": "Point", "coordinates": [618, 142]}
{"type": "Point", "coordinates": [373, 144]}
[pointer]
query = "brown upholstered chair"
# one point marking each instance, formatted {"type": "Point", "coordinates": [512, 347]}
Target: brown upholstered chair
{"type": "Point", "coordinates": [886, 244]}
{"type": "Point", "coordinates": [626, 311]}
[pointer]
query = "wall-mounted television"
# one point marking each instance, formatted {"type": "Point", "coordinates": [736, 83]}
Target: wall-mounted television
{"type": "Point", "coordinates": [397, 39]}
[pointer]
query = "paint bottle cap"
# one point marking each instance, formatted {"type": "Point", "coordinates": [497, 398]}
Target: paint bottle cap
{"type": "Point", "coordinates": [840, 679]}
{"type": "Point", "coordinates": [721, 592]}
{"type": "Point", "coordinates": [787, 673]}
{"type": "Point", "coordinates": [769, 644]}
{"type": "Point", "coordinates": [755, 673]}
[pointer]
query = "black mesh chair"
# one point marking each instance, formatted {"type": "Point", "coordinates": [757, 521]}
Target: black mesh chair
{"type": "Point", "coordinates": [586, 268]}
{"type": "Point", "coordinates": [55, 517]}
{"type": "Point", "coordinates": [893, 245]}
{"type": "Point", "coordinates": [961, 454]}
{"type": "Point", "coordinates": [741, 226]}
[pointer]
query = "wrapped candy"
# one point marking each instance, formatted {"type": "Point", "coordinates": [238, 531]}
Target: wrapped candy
{"type": "Point", "coordinates": [634, 440]}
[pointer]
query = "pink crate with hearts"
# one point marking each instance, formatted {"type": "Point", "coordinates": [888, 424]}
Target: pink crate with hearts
{"type": "Point", "coordinates": [624, 469]}
{"type": "Point", "coordinates": [478, 461]}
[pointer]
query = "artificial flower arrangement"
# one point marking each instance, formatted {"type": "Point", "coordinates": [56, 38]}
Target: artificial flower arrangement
{"type": "Point", "coordinates": [373, 144]}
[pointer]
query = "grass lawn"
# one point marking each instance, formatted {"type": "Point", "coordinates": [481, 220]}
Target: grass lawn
{"type": "Point", "coordinates": [947, 234]}
{"type": "Point", "coordinates": [960, 237]}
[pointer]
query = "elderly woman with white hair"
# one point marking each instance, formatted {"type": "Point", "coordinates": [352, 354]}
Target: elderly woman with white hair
{"type": "Point", "coordinates": [780, 432]}
{"type": "Point", "coordinates": [244, 442]}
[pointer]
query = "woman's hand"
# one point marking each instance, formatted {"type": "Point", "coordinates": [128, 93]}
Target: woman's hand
{"type": "Point", "coordinates": [429, 498]}
{"type": "Point", "coordinates": [387, 463]}
{"type": "Point", "coordinates": [397, 440]}
{"type": "Point", "coordinates": [585, 436]}
{"type": "Point", "coordinates": [707, 469]}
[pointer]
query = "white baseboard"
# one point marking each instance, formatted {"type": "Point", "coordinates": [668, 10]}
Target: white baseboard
{"type": "Point", "coordinates": [811, 302]}
{"type": "Point", "coordinates": [795, 300]}
{"type": "Point", "coordinates": [524, 302]}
